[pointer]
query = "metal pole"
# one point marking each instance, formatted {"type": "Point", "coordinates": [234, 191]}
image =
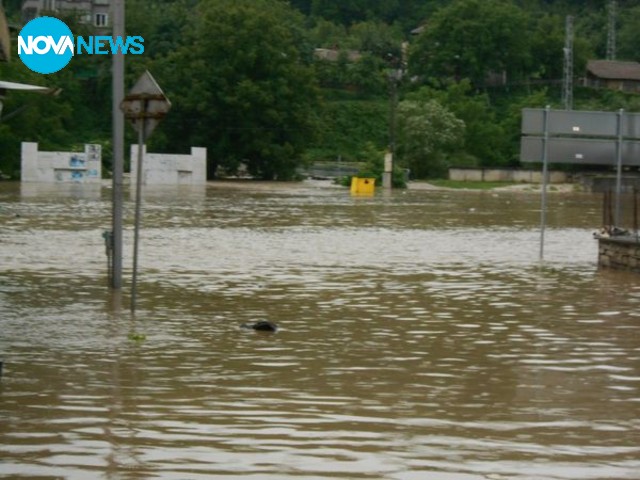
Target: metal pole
{"type": "Point", "coordinates": [611, 31]}
{"type": "Point", "coordinates": [136, 228]}
{"type": "Point", "coordinates": [605, 211]}
{"type": "Point", "coordinates": [118, 146]}
{"type": "Point", "coordinates": [567, 91]}
{"type": "Point", "coordinates": [387, 175]}
{"type": "Point", "coordinates": [635, 212]}
{"type": "Point", "coordinates": [610, 210]}
{"type": "Point", "coordinates": [619, 167]}
{"type": "Point", "coordinates": [545, 175]}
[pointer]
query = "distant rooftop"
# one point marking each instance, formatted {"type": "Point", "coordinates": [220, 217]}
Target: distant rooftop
{"type": "Point", "coordinates": [333, 55]}
{"type": "Point", "coordinates": [614, 70]}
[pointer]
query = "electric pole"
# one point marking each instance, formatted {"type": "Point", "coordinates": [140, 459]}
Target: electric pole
{"type": "Point", "coordinates": [567, 82]}
{"type": "Point", "coordinates": [118, 146]}
{"type": "Point", "coordinates": [611, 31]}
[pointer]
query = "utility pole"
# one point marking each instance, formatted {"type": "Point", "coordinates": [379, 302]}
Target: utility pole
{"type": "Point", "coordinates": [398, 67]}
{"type": "Point", "coordinates": [611, 31]}
{"type": "Point", "coordinates": [387, 175]}
{"type": "Point", "coordinates": [567, 81]}
{"type": "Point", "coordinates": [118, 147]}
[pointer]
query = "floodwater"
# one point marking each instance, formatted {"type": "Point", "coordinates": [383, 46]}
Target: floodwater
{"type": "Point", "coordinates": [420, 338]}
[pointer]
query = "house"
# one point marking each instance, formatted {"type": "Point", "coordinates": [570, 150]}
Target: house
{"type": "Point", "coordinates": [613, 74]}
{"type": "Point", "coordinates": [92, 12]}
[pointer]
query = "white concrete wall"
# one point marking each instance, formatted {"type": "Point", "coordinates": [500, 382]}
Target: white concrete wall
{"type": "Point", "coordinates": [169, 168]}
{"type": "Point", "coordinates": [504, 175]}
{"type": "Point", "coordinates": [61, 167]}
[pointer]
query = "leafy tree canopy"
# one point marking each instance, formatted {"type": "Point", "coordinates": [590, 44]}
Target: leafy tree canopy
{"type": "Point", "coordinates": [244, 81]}
{"type": "Point", "coordinates": [242, 86]}
{"type": "Point", "coordinates": [483, 138]}
{"type": "Point", "coordinates": [427, 132]}
{"type": "Point", "coordinates": [470, 39]}
{"type": "Point", "coordinates": [628, 40]}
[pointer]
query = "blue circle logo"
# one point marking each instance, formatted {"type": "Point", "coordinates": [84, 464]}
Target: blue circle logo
{"type": "Point", "coordinates": [45, 45]}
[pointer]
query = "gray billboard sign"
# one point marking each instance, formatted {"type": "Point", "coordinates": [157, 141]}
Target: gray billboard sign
{"type": "Point", "coordinates": [580, 123]}
{"type": "Point", "coordinates": [583, 151]}
{"type": "Point", "coordinates": [567, 122]}
{"type": "Point", "coordinates": [587, 138]}
{"type": "Point", "coordinates": [581, 137]}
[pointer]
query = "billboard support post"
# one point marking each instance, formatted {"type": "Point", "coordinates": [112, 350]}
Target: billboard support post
{"type": "Point", "coordinates": [619, 165]}
{"type": "Point", "coordinates": [545, 176]}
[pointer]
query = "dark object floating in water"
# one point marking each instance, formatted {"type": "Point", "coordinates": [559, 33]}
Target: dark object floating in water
{"type": "Point", "coordinates": [262, 326]}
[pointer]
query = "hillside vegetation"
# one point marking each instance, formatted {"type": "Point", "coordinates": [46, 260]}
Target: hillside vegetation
{"type": "Point", "coordinates": [246, 82]}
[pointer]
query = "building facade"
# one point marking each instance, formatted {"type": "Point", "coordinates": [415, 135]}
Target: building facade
{"type": "Point", "coordinates": [614, 75]}
{"type": "Point", "coordinates": [90, 12]}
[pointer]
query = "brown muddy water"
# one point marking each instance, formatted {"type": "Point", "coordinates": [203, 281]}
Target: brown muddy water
{"type": "Point", "coordinates": [420, 338]}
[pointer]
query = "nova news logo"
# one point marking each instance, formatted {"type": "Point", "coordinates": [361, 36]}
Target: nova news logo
{"type": "Point", "coordinates": [46, 45]}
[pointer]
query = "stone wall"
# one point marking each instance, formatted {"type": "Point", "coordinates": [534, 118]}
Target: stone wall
{"type": "Point", "coordinates": [170, 168]}
{"type": "Point", "coordinates": [622, 253]}
{"type": "Point", "coordinates": [61, 167]}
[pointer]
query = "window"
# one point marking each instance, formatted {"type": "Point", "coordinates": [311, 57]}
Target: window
{"type": "Point", "coordinates": [49, 5]}
{"type": "Point", "coordinates": [101, 20]}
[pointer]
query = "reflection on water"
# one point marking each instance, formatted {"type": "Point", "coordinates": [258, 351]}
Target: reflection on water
{"type": "Point", "coordinates": [419, 338]}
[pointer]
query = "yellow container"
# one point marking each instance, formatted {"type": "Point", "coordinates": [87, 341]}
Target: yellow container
{"type": "Point", "coordinates": [363, 186]}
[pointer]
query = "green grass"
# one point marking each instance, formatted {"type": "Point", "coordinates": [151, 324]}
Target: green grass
{"type": "Point", "coordinates": [471, 185]}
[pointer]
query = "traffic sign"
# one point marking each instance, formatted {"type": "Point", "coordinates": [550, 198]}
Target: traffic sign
{"type": "Point", "coordinates": [145, 104]}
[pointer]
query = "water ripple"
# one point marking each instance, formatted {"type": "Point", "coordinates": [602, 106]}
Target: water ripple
{"type": "Point", "coordinates": [419, 338]}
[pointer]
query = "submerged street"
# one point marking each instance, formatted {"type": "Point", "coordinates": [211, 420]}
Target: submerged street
{"type": "Point", "coordinates": [419, 337]}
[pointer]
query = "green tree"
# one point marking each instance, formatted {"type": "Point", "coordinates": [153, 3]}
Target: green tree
{"type": "Point", "coordinates": [326, 34]}
{"type": "Point", "coordinates": [242, 85]}
{"type": "Point", "coordinates": [346, 126]}
{"type": "Point", "coordinates": [427, 131]}
{"type": "Point", "coordinates": [160, 23]}
{"type": "Point", "coordinates": [368, 75]}
{"type": "Point", "coordinates": [408, 13]}
{"type": "Point", "coordinates": [32, 117]}
{"type": "Point", "coordinates": [511, 122]}
{"type": "Point", "coordinates": [79, 113]}
{"type": "Point", "coordinates": [483, 135]}
{"type": "Point", "coordinates": [377, 38]}
{"type": "Point", "coordinates": [470, 39]}
{"type": "Point", "coordinates": [629, 35]}
{"type": "Point", "coordinates": [345, 12]}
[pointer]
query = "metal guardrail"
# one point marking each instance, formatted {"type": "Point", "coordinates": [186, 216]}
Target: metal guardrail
{"type": "Point", "coordinates": [331, 169]}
